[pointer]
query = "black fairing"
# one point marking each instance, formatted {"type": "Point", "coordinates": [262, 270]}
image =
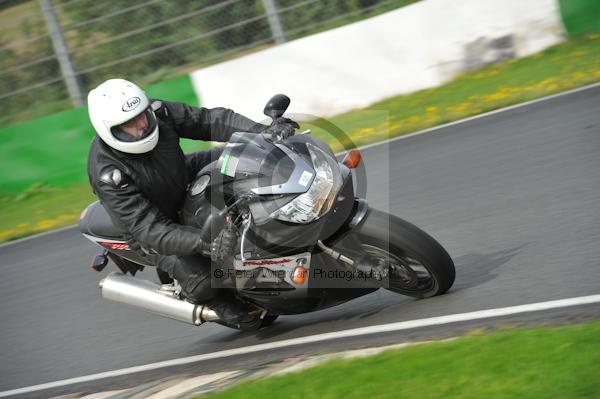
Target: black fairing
{"type": "Point", "coordinates": [97, 223]}
{"type": "Point", "coordinates": [274, 233]}
{"type": "Point", "coordinates": [262, 164]}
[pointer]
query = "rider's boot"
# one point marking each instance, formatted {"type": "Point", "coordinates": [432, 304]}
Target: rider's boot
{"type": "Point", "coordinates": [233, 313]}
{"type": "Point", "coordinates": [193, 274]}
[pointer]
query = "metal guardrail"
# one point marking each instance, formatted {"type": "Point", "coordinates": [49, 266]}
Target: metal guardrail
{"type": "Point", "coordinates": [56, 50]}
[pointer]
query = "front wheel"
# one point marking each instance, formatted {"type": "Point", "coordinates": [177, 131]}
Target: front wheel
{"type": "Point", "coordinates": [416, 264]}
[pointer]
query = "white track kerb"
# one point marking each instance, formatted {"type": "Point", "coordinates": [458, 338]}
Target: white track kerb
{"type": "Point", "coordinates": [354, 332]}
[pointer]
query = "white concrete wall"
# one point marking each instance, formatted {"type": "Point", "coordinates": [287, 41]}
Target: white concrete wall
{"type": "Point", "coordinates": [409, 49]}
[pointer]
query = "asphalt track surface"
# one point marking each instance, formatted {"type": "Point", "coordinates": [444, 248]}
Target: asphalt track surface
{"type": "Point", "coordinates": [514, 197]}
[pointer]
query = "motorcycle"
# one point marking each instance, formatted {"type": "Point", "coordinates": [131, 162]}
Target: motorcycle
{"type": "Point", "coordinates": [306, 241]}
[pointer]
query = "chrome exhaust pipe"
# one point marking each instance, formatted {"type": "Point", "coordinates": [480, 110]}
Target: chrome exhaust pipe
{"type": "Point", "coordinates": [148, 296]}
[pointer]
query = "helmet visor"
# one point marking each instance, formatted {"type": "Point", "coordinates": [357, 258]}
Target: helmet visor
{"type": "Point", "coordinates": [137, 128]}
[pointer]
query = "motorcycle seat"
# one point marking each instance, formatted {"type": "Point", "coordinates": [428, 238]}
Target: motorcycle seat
{"type": "Point", "coordinates": [96, 222]}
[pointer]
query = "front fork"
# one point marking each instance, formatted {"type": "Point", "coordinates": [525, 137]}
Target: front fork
{"type": "Point", "coordinates": [344, 244]}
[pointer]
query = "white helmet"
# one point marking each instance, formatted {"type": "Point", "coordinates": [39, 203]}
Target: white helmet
{"type": "Point", "coordinates": [115, 102]}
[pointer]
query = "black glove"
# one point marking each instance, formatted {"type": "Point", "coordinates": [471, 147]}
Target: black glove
{"type": "Point", "coordinates": [134, 245]}
{"type": "Point", "coordinates": [224, 245]}
{"type": "Point", "coordinates": [282, 127]}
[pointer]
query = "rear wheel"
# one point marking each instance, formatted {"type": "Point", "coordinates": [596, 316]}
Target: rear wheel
{"type": "Point", "coordinates": [251, 324]}
{"type": "Point", "coordinates": [416, 264]}
{"type": "Point", "coordinates": [269, 319]}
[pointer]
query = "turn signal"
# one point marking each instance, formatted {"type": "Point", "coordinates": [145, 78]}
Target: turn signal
{"type": "Point", "coordinates": [300, 275]}
{"type": "Point", "coordinates": [352, 159]}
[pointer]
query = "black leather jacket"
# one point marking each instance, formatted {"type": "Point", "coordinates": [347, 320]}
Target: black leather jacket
{"type": "Point", "coordinates": [143, 193]}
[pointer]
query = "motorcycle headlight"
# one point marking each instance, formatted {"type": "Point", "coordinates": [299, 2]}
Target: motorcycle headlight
{"type": "Point", "coordinates": [321, 194]}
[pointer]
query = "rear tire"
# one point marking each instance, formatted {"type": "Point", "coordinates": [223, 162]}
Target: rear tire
{"type": "Point", "coordinates": [418, 265]}
{"type": "Point", "coordinates": [269, 319]}
{"type": "Point", "coordinates": [250, 325]}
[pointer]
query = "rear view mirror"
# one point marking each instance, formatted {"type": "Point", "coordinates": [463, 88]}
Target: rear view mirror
{"type": "Point", "coordinates": [276, 106]}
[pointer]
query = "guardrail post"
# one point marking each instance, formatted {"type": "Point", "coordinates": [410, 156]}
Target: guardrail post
{"type": "Point", "coordinates": [275, 22]}
{"type": "Point", "coordinates": [62, 53]}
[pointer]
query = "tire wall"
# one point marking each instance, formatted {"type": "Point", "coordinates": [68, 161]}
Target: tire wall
{"type": "Point", "coordinates": [53, 150]}
{"type": "Point", "coordinates": [420, 46]}
{"type": "Point", "coordinates": [580, 17]}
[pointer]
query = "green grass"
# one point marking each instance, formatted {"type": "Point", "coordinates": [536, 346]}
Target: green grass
{"type": "Point", "coordinates": [536, 363]}
{"type": "Point", "coordinates": [42, 208]}
{"type": "Point", "coordinates": [569, 65]}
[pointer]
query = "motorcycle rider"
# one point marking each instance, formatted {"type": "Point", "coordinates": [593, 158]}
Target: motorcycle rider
{"type": "Point", "coordinates": [140, 174]}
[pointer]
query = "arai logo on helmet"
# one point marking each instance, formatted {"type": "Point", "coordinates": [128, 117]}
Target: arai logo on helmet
{"type": "Point", "coordinates": [131, 104]}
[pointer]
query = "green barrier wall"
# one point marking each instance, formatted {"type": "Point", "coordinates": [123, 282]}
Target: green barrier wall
{"type": "Point", "coordinates": [53, 150]}
{"type": "Point", "coordinates": [580, 16]}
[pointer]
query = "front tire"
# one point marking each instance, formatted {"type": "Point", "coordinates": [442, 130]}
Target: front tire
{"type": "Point", "coordinates": [417, 264]}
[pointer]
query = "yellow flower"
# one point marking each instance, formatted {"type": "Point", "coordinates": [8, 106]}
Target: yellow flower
{"type": "Point", "coordinates": [579, 53]}
{"type": "Point", "coordinates": [46, 224]}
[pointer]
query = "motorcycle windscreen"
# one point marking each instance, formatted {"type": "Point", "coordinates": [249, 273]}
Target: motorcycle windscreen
{"type": "Point", "coordinates": [249, 162]}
